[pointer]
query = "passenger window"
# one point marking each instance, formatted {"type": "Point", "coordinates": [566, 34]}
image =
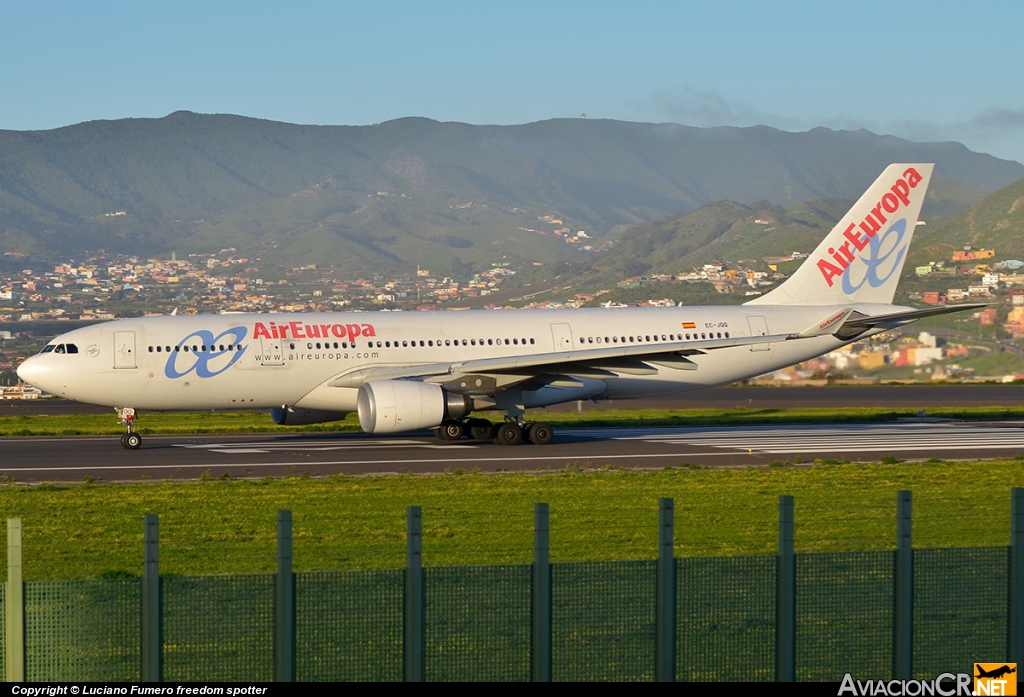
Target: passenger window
{"type": "Point", "coordinates": [447, 342]}
{"type": "Point", "coordinates": [532, 342]}
{"type": "Point", "coordinates": [292, 346]}
{"type": "Point", "coordinates": [309, 345]}
{"type": "Point", "coordinates": [151, 349]}
{"type": "Point", "coordinates": [430, 343]}
{"type": "Point", "coordinates": [515, 341]}
{"type": "Point", "coordinates": [464, 343]}
{"type": "Point", "coordinates": [158, 348]}
{"type": "Point", "coordinates": [490, 342]}
{"type": "Point", "coordinates": [590, 339]}
{"type": "Point", "coordinates": [506, 342]}
{"type": "Point", "coordinates": [727, 335]}
{"type": "Point", "coordinates": [177, 349]}
{"type": "Point", "coordinates": [186, 349]}
{"type": "Point", "coordinates": [703, 335]}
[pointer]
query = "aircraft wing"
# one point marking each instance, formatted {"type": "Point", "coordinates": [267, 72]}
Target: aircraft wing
{"type": "Point", "coordinates": [606, 361]}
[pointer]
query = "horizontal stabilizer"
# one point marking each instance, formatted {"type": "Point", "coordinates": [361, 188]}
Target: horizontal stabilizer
{"type": "Point", "coordinates": [858, 323]}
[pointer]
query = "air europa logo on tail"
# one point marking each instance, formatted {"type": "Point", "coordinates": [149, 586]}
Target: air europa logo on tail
{"type": "Point", "coordinates": [865, 236]}
{"type": "Point", "coordinates": [300, 330]}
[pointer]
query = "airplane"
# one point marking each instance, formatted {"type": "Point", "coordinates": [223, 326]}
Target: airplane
{"type": "Point", "coordinates": [429, 370]}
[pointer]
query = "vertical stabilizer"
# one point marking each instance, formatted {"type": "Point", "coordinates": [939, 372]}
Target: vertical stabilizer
{"type": "Point", "coordinates": [861, 259]}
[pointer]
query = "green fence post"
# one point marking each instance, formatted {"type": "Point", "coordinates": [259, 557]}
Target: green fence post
{"type": "Point", "coordinates": [284, 602]}
{"type": "Point", "coordinates": [540, 647]}
{"type": "Point", "coordinates": [1016, 642]}
{"type": "Point", "coordinates": [665, 633]}
{"type": "Point", "coordinates": [14, 605]}
{"type": "Point", "coordinates": [152, 604]}
{"type": "Point", "coordinates": [414, 596]}
{"type": "Point", "coordinates": [903, 614]}
{"type": "Point", "coordinates": [785, 597]}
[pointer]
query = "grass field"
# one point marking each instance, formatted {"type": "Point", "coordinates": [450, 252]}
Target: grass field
{"type": "Point", "coordinates": [254, 422]}
{"type": "Point", "coordinates": [91, 530]}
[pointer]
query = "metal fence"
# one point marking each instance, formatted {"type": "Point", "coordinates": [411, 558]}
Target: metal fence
{"type": "Point", "coordinates": [788, 616]}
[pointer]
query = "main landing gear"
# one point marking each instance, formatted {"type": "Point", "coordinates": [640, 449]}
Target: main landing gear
{"type": "Point", "coordinates": [509, 433]}
{"type": "Point", "coordinates": [130, 440]}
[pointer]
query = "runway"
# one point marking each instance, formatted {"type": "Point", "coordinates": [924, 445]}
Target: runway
{"type": "Point", "coordinates": [190, 457]}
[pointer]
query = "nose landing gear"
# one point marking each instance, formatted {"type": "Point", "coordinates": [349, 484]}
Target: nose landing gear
{"type": "Point", "coordinates": [129, 440]}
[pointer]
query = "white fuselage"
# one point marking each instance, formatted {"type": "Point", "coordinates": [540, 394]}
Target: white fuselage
{"type": "Point", "coordinates": [271, 360]}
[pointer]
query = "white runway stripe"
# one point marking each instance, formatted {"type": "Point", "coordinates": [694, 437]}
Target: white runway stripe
{"type": "Point", "coordinates": [854, 438]}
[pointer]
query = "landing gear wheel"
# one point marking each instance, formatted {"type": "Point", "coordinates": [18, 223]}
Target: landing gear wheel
{"type": "Point", "coordinates": [131, 441]}
{"type": "Point", "coordinates": [541, 434]}
{"type": "Point", "coordinates": [123, 444]}
{"type": "Point", "coordinates": [508, 434]}
{"type": "Point", "coordinates": [481, 429]}
{"type": "Point", "coordinates": [451, 430]}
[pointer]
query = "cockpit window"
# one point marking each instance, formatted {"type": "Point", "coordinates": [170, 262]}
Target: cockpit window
{"type": "Point", "coordinates": [59, 349]}
{"type": "Point", "coordinates": [72, 348]}
{"type": "Point", "coordinates": [47, 349]}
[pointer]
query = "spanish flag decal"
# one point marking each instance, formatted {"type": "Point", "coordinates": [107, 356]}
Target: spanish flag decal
{"type": "Point", "coordinates": [689, 325]}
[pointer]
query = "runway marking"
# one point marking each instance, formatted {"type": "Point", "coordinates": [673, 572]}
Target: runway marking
{"type": "Point", "coordinates": [310, 463]}
{"type": "Point", "coordinates": [315, 446]}
{"type": "Point", "coordinates": [855, 438]}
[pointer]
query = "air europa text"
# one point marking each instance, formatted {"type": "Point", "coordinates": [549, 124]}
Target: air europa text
{"type": "Point", "coordinates": [897, 196]}
{"type": "Point", "coordinates": [299, 330]}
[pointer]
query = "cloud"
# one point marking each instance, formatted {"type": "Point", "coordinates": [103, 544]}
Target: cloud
{"type": "Point", "coordinates": [998, 130]}
{"type": "Point", "coordinates": [706, 108]}
{"type": "Point", "coordinates": [999, 119]}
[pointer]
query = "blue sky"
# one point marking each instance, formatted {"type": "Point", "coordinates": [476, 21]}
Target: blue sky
{"type": "Point", "coordinates": [924, 71]}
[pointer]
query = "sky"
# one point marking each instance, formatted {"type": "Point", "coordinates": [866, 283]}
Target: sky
{"type": "Point", "coordinates": [925, 71]}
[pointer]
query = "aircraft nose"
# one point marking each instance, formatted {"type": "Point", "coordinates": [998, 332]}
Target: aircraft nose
{"type": "Point", "coordinates": [31, 371]}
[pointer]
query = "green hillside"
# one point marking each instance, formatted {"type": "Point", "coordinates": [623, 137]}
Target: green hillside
{"type": "Point", "coordinates": [995, 222]}
{"type": "Point", "coordinates": [375, 197]}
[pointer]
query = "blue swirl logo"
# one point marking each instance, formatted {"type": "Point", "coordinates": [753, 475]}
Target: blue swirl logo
{"type": "Point", "coordinates": [876, 258]}
{"type": "Point", "coordinates": [207, 362]}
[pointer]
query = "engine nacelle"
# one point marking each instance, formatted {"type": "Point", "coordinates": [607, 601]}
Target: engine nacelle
{"type": "Point", "coordinates": [291, 416]}
{"type": "Point", "coordinates": [392, 406]}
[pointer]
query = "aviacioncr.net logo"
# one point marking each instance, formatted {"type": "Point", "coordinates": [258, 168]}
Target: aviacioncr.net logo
{"type": "Point", "coordinates": [884, 256]}
{"type": "Point", "coordinates": [208, 362]}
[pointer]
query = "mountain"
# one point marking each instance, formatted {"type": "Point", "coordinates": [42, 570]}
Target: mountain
{"type": "Point", "coordinates": [995, 222]}
{"type": "Point", "coordinates": [448, 194]}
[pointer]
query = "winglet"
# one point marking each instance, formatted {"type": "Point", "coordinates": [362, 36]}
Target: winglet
{"type": "Point", "coordinates": [828, 325]}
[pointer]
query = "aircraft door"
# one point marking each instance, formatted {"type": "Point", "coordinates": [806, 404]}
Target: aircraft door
{"type": "Point", "coordinates": [562, 335]}
{"type": "Point", "coordinates": [273, 351]}
{"type": "Point", "coordinates": [124, 349]}
{"type": "Point", "coordinates": [758, 327]}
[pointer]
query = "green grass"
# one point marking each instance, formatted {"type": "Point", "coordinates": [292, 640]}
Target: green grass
{"type": "Point", "coordinates": [91, 530]}
{"type": "Point", "coordinates": [254, 422]}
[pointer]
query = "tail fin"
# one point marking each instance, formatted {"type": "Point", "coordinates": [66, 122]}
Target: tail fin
{"type": "Point", "coordinates": [861, 259]}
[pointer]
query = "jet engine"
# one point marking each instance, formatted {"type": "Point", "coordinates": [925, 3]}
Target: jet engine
{"type": "Point", "coordinates": [391, 406]}
{"type": "Point", "coordinates": [290, 416]}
